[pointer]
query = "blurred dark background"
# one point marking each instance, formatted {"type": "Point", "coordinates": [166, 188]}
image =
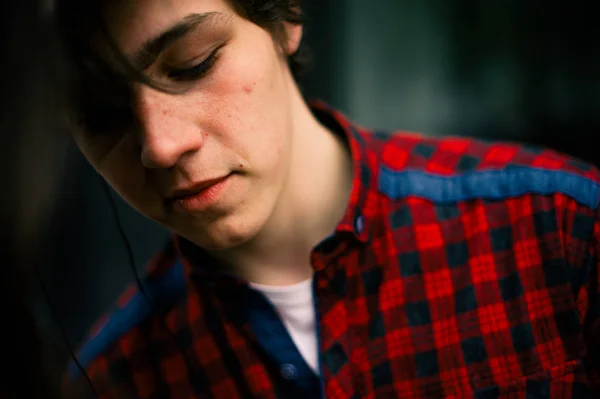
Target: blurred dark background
{"type": "Point", "coordinates": [523, 71]}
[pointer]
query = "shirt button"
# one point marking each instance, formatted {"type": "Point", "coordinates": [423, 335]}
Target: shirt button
{"type": "Point", "coordinates": [360, 224]}
{"type": "Point", "coordinates": [289, 371]}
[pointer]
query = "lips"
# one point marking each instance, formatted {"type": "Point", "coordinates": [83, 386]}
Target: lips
{"type": "Point", "coordinates": [199, 197]}
{"type": "Point", "coordinates": [194, 189]}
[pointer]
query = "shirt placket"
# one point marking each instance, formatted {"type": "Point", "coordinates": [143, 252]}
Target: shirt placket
{"type": "Point", "coordinates": [271, 334]}
{"type": "Point", "coordinates": [332, 321]}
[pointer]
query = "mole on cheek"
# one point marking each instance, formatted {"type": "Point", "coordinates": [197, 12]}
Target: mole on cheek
{"type": "Point", "coordinates": [247, 88]}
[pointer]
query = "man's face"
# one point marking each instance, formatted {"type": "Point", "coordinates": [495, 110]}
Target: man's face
{"type": "Point", "coordinates": [211, 161]}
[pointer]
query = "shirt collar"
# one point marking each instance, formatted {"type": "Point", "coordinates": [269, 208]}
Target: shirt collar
{"type": "Point", "coordinates": [200, 266]}
{"type": "Point", "coordinates": [357, 218]}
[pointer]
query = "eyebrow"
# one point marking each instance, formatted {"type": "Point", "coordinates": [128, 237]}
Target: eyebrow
{"type": "Point", "coordinates": [152, 48]}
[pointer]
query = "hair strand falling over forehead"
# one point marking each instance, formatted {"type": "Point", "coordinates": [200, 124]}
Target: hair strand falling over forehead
{"type": "Point", "coordinates": [100, 75]}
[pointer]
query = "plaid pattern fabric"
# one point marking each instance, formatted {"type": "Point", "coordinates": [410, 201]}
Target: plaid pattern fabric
{"type": "Point", "coordinates": [461, 269]}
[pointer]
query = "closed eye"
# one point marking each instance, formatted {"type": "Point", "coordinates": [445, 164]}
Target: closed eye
{"type": "Point", "coordinates": [195, 72]}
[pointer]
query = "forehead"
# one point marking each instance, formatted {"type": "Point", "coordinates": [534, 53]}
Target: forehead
{"type": "Point", "coordinates": [133, 22]}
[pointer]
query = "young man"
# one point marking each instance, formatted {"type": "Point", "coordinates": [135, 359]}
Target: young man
{"type": "Point", "coordinates": [311, 257]}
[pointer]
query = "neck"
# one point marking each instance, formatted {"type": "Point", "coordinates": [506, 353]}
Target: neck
{"type": "Point", "coordinates": [310, 206]}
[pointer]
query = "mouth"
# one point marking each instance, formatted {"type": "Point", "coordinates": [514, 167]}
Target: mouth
{"type": "Point", "coordinates": [198, 196]}
{"type": "Point", "coordinates": [194, 188]}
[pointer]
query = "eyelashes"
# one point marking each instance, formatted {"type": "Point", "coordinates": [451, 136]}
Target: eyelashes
{"type": "Point", "coordinates": [195, 72]}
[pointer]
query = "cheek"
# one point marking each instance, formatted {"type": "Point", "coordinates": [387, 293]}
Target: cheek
{"type": "Point", "coordinates": [248, 96]}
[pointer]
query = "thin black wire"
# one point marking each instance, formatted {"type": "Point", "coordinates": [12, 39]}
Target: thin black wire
{"type": "Point", "coordinates": [63, 332]}
{"type": "Point", "coordinates": [127, 243]}
{"type": "Point", "coordinates": [132, 264]}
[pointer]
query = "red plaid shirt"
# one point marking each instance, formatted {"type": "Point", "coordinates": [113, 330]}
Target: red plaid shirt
{"type": "Point", "coordinates": [461, 269]}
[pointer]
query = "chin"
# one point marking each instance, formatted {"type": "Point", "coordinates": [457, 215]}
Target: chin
{"type": "Point", "coordinates": [222, 235]}
{"type": "Point", "coordinates": [233, 226]}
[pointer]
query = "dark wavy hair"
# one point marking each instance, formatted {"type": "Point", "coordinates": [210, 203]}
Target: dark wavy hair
{"type": "Point", "coordinates": [98, 96]}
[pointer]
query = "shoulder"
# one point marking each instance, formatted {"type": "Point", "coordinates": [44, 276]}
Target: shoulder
{"type": "Point", "coordinates": [456, 169]}
{"type": "Point", "coordinates": [163, 286]}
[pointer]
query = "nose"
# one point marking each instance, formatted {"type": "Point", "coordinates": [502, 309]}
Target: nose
{"type": "Point", "coordinates": [166, 130]}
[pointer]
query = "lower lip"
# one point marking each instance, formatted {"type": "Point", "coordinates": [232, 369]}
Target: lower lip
{"type": "Point", "coordinates": [202, 200]}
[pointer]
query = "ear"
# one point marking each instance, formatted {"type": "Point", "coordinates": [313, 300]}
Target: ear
{"type": "Point", "coordinates": [293, 37]}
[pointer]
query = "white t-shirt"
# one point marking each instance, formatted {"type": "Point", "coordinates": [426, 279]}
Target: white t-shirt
{"type": "Point", "coordinates": [295, 306]}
